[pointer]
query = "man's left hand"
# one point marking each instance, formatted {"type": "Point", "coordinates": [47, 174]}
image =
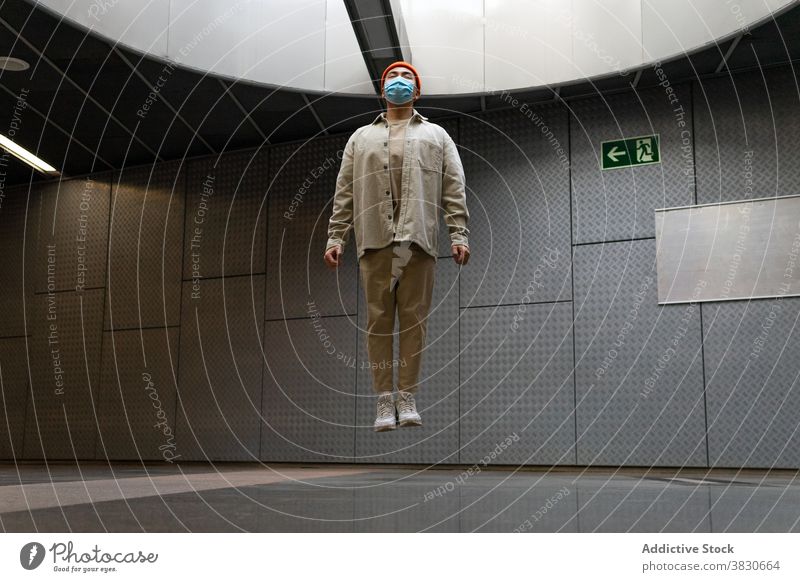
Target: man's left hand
{"type": "Point", "coordinates": [460, 254]}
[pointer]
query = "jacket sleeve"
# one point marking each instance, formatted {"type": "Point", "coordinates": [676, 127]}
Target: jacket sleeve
{"type": "Point", "coordinates": [454, 194]}
{"type": "Point", "coordinates": [341, 220]}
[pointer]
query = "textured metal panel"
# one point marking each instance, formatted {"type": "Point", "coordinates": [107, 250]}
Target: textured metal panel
{"type": "Point", "coordinates": [517, 393]}
{"type": "Point", "coordinates": [137, 395]}
{"type": "Point", "coordinates": [144, 287]}
{"type": "Point", "coordinates": [13, 209]}
{"type": "Point", "coordinates": [638, 364]}
{"type": "Point", "coordinates": [71, 234]}
{"type": "Point", "coordinates": [14, 392]}
{"type": "Point", "coordinates": [518, 199]}
{"type": "Point", "coordinates": [308, 402]}
{"type": "Point", "coordinates": [219, 387]}
{"type": "Point", "coordinates": [728, 251]}
{"type": "Point", "coordinates": [753, 391]}
{"type": "Point", "coordinates": [436, 441]}
{"type": "Point", "coordinates": [65, 358]}
{"type": "Point", "coordinates": [618, 204]}
{"type": "Point", "coordinates": [226, 211]}
{"type": "Point", "coordinates": [747, 128]}
{"type": "Point", "coordinates": [300, 201]}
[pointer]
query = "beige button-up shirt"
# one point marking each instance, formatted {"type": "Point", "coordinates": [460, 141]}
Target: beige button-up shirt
{"type": "Point", "coordinates": [432, 179]}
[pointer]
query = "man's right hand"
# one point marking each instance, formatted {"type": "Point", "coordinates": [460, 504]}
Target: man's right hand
{"type": "Point", "coordinates": [333, 257]}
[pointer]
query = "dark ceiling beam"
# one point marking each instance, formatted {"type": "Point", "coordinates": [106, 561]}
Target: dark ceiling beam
{"type": "Point", "coordinates": [376, 29]}
{"type": "Point", "coordinates": [135, 70]}
{"type": "Point", "coordinates": [636, 78]}
{"type": "Point", "coordinates": [310, 106]}
{"type": "Point", "coordinates": [86, 95]}
{"type": "Point", "coordinates": [227, 91]}
{"type": "Point", "coordinates": [728, 54]}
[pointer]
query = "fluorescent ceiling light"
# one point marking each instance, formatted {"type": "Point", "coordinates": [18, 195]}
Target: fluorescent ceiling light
{"type": "Point", "coordinates": [26, 156]}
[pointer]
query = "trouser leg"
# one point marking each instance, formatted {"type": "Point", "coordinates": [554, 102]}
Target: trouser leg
{"type": "Point", "coordinates": [375, 266]}
{"type": "Point", "coordinates": [414, 292]}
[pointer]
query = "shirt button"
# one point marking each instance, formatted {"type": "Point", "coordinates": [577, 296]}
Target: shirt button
{"type": "Point", "coordinates": [387, 192]}
{"type": "Point", "coordinates": [385, 167]}
{"type": "Point", "coordinates": [386, 143]}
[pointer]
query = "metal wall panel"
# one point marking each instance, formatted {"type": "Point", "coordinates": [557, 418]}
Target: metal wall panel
{"type": "Point", "coordinates": [300, 202]}
{"type": "Point", "coordinates": [71, 233]}
{"type": "Point", "coordinates": [517, 392]}
{"type": "Point", "coordinates": [638, 365]}
{"type": "Point", "coordinates": [14, 390]}
{"type": "Point", "coordinates": [308, 402]}
{"type": "Point", "coordinates": [747, 136]}
{"type": "Point", "coordinates": [226, 215]}
{"type": "Point", "coordinates": [61, 418]}
{"type": "Point", "coordinates": [436, 441]}
{"type": "Point", "coordinates": [518, 199]}
{"type": "Point", "coordinates": [642, 404]}
{"type": "Point", "coordinates": [13, 211]}
{"type": "Point", "coordinates": [618, 204]}
{"type": "Point", "coordinates": [137, 395]}
{"type": "Point", "coordinates": [219, 386]}
{"type": "Point", "coordinates": [145, 235]}
{"type": "Point", "coordinates": [753, 387]}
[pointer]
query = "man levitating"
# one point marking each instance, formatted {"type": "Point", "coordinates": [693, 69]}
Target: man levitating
{"type": "Point", "coordinates": [396, 174]}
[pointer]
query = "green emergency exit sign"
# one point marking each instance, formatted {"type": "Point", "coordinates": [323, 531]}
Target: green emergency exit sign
{"type": "Point", "coordinates": [633, 151]}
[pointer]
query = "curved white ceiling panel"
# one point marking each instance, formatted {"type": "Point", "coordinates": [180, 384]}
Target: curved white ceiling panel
{"type": "Point", "coordinates": [459, 46]}
{"type": "Point", "coordinates": [279, 41]}
{"type": "Point", "coordinates": [674, 27]}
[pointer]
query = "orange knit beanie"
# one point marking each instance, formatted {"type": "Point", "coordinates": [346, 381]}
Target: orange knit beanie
{"type": "Point", "coordinates": [402, 64]}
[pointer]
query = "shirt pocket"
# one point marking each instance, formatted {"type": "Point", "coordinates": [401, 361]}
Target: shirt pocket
{"type": "Point", "coordinates": [429, 154]}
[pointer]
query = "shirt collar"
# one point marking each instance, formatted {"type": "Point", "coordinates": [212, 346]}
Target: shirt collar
{"type": "Point", "coordinates": [417, 114]}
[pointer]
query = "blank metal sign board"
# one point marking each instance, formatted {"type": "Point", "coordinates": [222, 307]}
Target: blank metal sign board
{"type": "Point", "coordinates": [732, 250]}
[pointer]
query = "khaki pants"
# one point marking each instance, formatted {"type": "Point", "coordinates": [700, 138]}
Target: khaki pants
{"type": "Point", "coordinates": [398, 276]}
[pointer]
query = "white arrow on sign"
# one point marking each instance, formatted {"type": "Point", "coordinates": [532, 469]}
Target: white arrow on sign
{"type": "Point", "coordinates": [614, 154]}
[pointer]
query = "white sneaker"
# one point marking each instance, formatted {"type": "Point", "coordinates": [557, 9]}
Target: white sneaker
{"type": "Point", "coordinates": [407, 409]}
{"type": "Point", "coordinates": [386, 419]}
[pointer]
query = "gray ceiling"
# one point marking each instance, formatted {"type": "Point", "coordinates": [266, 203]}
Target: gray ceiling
{"type": "Point", "coordinates": [83, 95]}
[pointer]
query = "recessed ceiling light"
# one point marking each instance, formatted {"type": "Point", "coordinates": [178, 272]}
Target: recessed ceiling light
{"type": "Point", "coordinates": [13, 64]}
{"type": "Point", "coordinates": [26, 156]}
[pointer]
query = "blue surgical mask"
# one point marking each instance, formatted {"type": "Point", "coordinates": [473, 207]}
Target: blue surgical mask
{"type": "Point", "coordinates": [399, 90]}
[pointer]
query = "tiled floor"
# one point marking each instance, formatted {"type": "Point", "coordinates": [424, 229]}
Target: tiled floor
{"type": "Point", "coordinates": [286, 497]}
